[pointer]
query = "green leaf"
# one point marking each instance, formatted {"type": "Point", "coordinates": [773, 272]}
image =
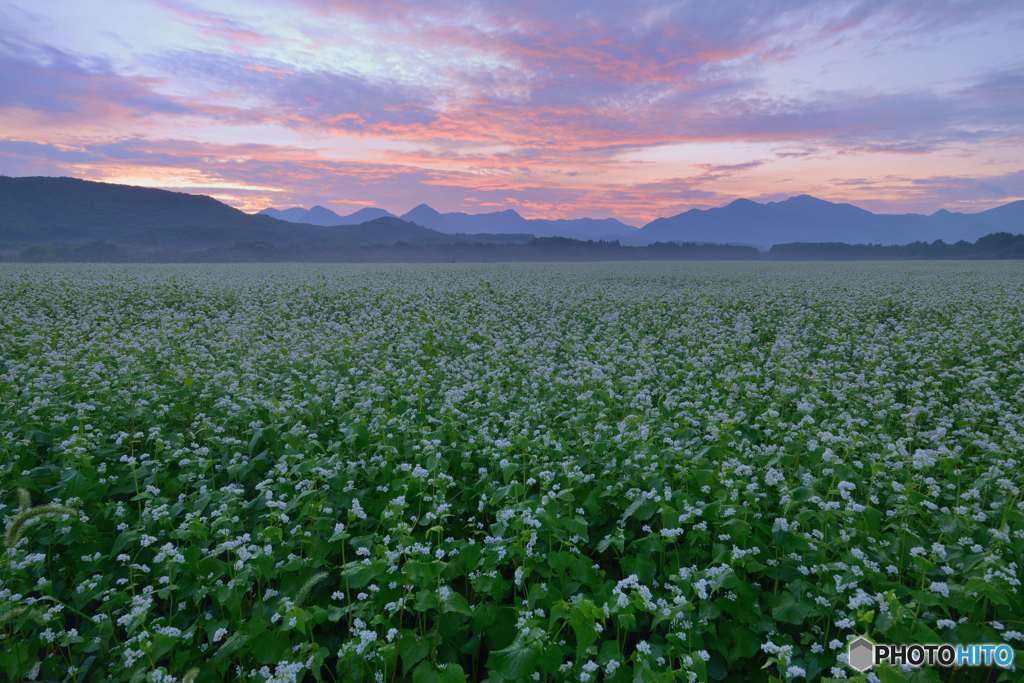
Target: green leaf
{"type": "Point", "coordinates": [86, 669]}
{"type": "Point", "coordinates": [412, 649]}
{"type": "Point", "coordinates": [426, 600]}
{"type": "Point", "coordinates": [456, 602]}
{"type": "Point", "coordinates": [517, 661]}
{"type": "Point", "coordinates": [445, 673]}
{"type": "Point", "coordinates": [581, 618]}
{"type": "Point", "coordinates": [358, 574]}
{"type": "Point", "coordinates": [790, 610]}
{"type": "Point", "coordinates": [269, 647]}
{"type": "Point", "coordinates": [740, 643]}
{"type": "Point", "coordinates": [452, 673]}
{"type": "Point", "coordinates": [234, 643]}
{"type": "Point", "coordinates": [425, 673]}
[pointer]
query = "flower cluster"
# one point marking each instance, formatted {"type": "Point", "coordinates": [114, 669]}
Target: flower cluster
{"type": "Point", "coordinates": [432, 473]}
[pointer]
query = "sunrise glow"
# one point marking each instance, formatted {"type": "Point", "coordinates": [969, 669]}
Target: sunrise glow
{"type": "Point", "coordinates": [561, 109]}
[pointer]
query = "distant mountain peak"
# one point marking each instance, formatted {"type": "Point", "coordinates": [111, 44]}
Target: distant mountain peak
{"type": "Point", "coordinates": [371, 213]}
{"type": "Point", "coordinates": [322, 216]}
{"type": "Point", "coordinates": [806, 199]}
{"type": "Point", "coordinates": [273, 209]}
{"type": "Point", "coordinates": [742, 201]}
{"type": "Point", "coordinates": [425, 215]}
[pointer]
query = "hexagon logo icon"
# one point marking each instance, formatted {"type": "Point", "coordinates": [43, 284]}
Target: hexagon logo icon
{"type": "Point", "coordinates": [861, 654]}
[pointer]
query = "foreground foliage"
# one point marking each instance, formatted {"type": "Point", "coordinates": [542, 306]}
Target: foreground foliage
{"type": "Point", "coordinates": [635, 472]}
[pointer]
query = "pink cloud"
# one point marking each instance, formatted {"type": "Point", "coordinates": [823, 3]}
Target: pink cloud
{"type": "Point", "coordinates": [213, 24]}
{"type": "Point", "coordinates": [482, 104]}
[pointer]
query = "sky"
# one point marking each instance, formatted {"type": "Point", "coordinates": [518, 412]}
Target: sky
{"type": "Point", "coordinates": [555, 109]}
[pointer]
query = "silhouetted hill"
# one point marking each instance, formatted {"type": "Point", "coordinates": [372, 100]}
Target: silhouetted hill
{"type": "Point", "coordinates": [319, 215]}
{"type": "Point", "coordinates": [37, 210]}
{"type": "Point", "coordinates": [67, 211]}
{"type": "Point", "coordinates": [808, 219]}
{"type": "Point", "coordinates": [509, 221]}
{"type": "Point", "coordinates": [388, 230]}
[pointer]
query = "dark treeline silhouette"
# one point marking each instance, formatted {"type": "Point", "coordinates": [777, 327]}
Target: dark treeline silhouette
{"type": "Point", "coordinates": [995, 246]}
{"type": "Point", "coordinates": [535, 249]}
{"type": "Point", "coordinates": [999, 245]}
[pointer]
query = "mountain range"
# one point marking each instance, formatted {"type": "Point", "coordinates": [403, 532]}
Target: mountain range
{"type": "Point", "coordinates": [510, 221]}
{"type": "Point", "coordinates": [802, 218]}
{"type": "Point", "coordinates": [494, 223]}
{"type": "Point", "coordinates": [808, 219]}
{"type": "Point", "coordinates": [319, 215]}
{"type": "Point", "coordinates": [66, 215]}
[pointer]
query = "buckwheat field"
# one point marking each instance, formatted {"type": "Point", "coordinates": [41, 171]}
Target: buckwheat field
{"type": "Point", "coordinates": [624, 472]}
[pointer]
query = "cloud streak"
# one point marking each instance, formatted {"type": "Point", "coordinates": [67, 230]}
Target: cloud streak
{"type": "Point", "coordinates": [635, 110]}
{"type": "Point", "coordinates": [56, 84]}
